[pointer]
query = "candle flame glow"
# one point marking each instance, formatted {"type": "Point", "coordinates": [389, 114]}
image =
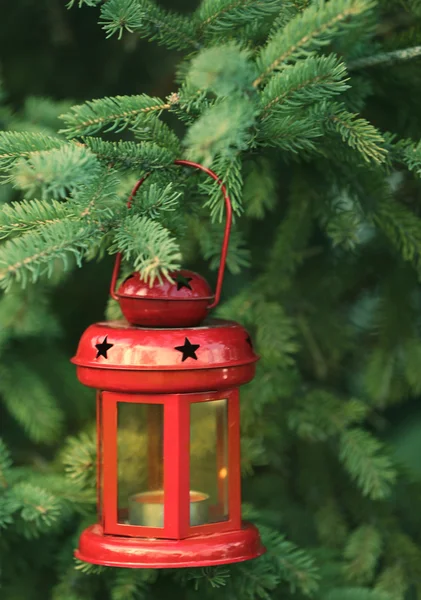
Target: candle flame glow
{"type": "Point", "coordinates": [223, 473]}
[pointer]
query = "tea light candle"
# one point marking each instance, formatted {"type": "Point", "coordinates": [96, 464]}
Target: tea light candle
{"type": "Point", "coordinates": [147, 508]}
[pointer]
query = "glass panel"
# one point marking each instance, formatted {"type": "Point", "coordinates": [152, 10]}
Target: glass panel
{"type": "Point", "coordinates": [140, 464]}
{"type": "Point", "coordinates": [208, 462]}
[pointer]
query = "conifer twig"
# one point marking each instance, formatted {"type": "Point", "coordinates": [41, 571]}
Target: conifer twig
{"type": "Point", "coordinates": [310, 29]}
{"type": "Point", "coordinates": [385, 58]}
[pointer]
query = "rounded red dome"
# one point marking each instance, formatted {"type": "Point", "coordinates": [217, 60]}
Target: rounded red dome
{"type": "Point", "coordinates": [182, 302]}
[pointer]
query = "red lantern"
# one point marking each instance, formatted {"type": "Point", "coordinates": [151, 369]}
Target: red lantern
{"type": "Point", "coordinates": [168, 425]}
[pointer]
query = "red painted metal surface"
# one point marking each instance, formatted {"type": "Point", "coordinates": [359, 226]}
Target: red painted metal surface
{"type": "Point", "coordinates": [176, 468]}
{"type": "Point", "coordinates": [221, 344]}
{"type": "Point", "coordinates": [146, 360]}
{"type": "Point", "coordinates": [154, 312]}
{"type": "Point", "coordinates": [181, 303]}
{"type": "Point", "coordinates": [234, 462]}
{"type": "Point", "coordinates": [166, 382]}
{"type": "Point", "coordinates": [99, 433]}
{"type": "Point", "coordinates": [197, 551]}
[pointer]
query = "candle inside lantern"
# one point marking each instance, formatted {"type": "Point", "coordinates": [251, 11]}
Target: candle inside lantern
{"type": "Point", "coordinates": [147, 508]}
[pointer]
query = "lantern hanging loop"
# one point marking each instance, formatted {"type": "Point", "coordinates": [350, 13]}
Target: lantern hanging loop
{"type": "Point", "coordinates": [225, 242]}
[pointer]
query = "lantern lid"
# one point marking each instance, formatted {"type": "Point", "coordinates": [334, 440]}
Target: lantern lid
{"type": "Point", "coordinates": [117, 345]}
{"type": "Point", "coordinates": [185, 285]}
{"type": "Point", "coordinates": [182, 302]}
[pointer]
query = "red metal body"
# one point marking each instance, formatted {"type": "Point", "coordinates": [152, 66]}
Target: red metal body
{"type": "Point", "coordinates": [176, 465]}
{"type": "Point", "coordinates": [172, 368]}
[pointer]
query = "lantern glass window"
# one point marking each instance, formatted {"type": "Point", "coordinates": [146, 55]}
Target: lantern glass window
{"type": "Point", "coordinates": [208, 462]}
{"type": "Point", "coordinates": [140, 487]}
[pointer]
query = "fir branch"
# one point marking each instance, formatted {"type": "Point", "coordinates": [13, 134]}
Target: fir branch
{"type": "Point", "coordinates": [28, 313]}
{"type": "Point", "coordinates": [223, 70]}
{"type": "Point", "coordinates": [73, 584]}
{"type": "Point", "coordinates": [310, 30]}
{"type": "Point", "coordinates": [393, 582]}
{"type": "Point", "coordinates": [346, 225]}
{"type": "Point", "coordinates": [409, 153]}
{"type": "Point", "coordinates": [80, 3]}
{"type": "Point", "coordinates": [15, 145]}
{"type": "Point", "coordinates": [362, 554]}
{"type": "Point", "coordinates": [291, 238]}
{"type": "Point", "coordinates": [42, 418]}
{"type": "Point", "coordinates": [320, 414]}
{"type": "Point", "coordinates": [89, 568]}
{"type": "Point", "coordinates": [154, 130]}
{"type": "Point", "coordinates": [378, 375]}
{"type": "Point", "coordinates": [38, 509]}
{"type": "Point", "coordinates": [255, 580]}
{"type": "Point", "coordinates": [155, 200]}
{"type": "Point", "coordinates": [238, 258]}
{"type": "Point", "coordinates": [55, 172]}
{"type": "Point", "coordinates": [363, 457]}
{"type": "Point", "coordinates": [42, 113]}
{"type": "Point", "coordinates": [402, 227]}
{"type": "Point", "coordinates": [5, 464]}
{"type": "Point", "coordinates": [404, 550]}
{"type": "Point", "coordinates": [79, 459]}
{"type": "Point", "coordinates": [132, 584]}
{"type": "Point", "coordinates": [118, 16]}
{"type": "Point", "coordinates": [148, 246]}
{"type": "Point", "coordinates": [289, 133]}
{"type": "Point", "coordinates": [190, 103]}
{"type": "Point", "coordinates": [295, 565]}
{"type": "Point", "coordinates": [276, 334]}
{"type": "Point", "coordinates": [19, 217]}
{"type": "Point", "coordinates": [114, 114]}
{"type": "Point", "coordinates": [385, 58]}
{"type": "Point", "coordinates": [230, 172]}
{"type": "Point", "coordinates": [34, 254]}
{"type": "Point", "coordinates": [145, 156]}
{"type": "Point", "coordinates": [289, 10]}
{"type": "Point", "coordinates": [331, 524]}
{"type": "Point", "coordinates": [215, 577]}
{"type": "Point", "coordinates": [150, 21]}
{"type": "Point", "coordinates": [357, 133]}
{"type": "Point", "coordinates": [253, 453]}
{"type": "Point", "coordinates": [223, 129]}
{"type": "Point", "coordinates": [8, 508]}
{"type": "Point", "coordinates": [72, 499]}
{"type": "Point", "coordinates": [311, 80]}
{"type": "Point", "coordinates": [219, 16]}
{"type": "Point", "coordinates": [259, 194]}
{"type": "Point", "coordinates": [96, 201]}
{"type": "Point", "coordinates": [355, 593]}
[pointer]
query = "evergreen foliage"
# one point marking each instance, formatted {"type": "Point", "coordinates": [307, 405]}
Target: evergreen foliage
{"type": "Point", "coordinates": [308, 110]}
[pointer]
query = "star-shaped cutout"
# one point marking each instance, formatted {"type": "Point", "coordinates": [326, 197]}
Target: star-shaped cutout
{"type": "Point", "coordinates": [249, 342]}
{"type": "Point", "coordinates": [103, 348]}
{"type": "Point", "coordinates": [182, 281]}
{"type": "Point", "coordinates": [188, 350]}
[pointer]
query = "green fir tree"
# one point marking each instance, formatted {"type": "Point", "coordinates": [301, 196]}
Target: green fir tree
{"type": "Point", "coordinates": [309, 111]}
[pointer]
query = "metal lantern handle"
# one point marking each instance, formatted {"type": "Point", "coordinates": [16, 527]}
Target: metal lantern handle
{"type": "Point", "coordinates": [228, 222]}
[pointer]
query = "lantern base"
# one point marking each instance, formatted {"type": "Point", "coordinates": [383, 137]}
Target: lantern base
{"type": "Point", "coordinates": [153, 553]}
